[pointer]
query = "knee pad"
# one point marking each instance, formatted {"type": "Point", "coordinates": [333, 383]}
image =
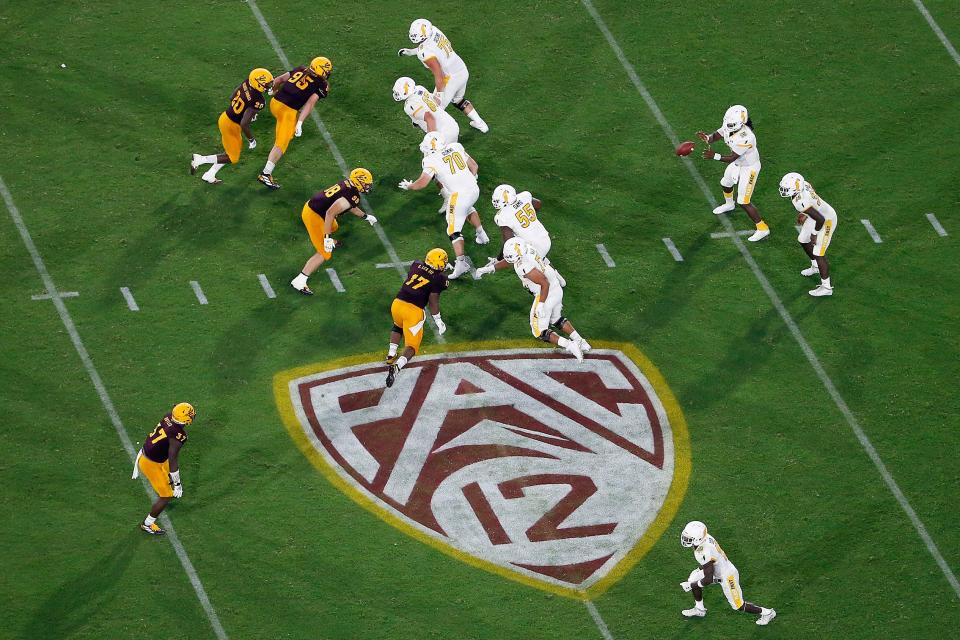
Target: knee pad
{"type": "Point", "coordinates": [558, 325]}
{"type": "Point", "coordinates": [463, 104]}
{"type": "Point", "coordinates": [545, 335]}
{"type": "Point", "coordinates": [456, 236]}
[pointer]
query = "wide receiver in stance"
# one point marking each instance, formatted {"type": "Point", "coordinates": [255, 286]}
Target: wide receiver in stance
{"type": "Point", "coordinates": [743, 165]}
{"type": "Point", "coordinates": [818, 221]}
{"type": "Point", "coordinates": [159, 461]}
{"type": "Point", "coordinates": [423, 286]}
{"type": "Point", "coordinates": [714, 567]}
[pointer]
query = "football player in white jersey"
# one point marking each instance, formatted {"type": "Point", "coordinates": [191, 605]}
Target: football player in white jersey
{"type": "Point", "coordinates": [818, 221]}
{"type": "Point", "coordinates": [423, 110]}
{"type": "Point", "coordinates": [517, 217]}
{"type": "Point", "coordinates": [545, 283]}
{"type": "Point", "coordinates": [456, 172]}
{"type": "Point", "coordinates": [450, 74]}
{"type": "Point", "coordinates": [714, 568]}
{"type": "Point", "coordinates": [743, 165]}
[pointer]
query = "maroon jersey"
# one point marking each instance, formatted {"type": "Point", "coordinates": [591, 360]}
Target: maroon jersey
{"type": "Point", "coordinates": [300, 86]}
{"type": "Point", "coordinates": [244, 97]}
{"type": "Point", "coordinates": [420, 283]}
{"type": "Point", "coordinates": [156, 446]}
{"type": "Point", "coordinates": [322, 200]}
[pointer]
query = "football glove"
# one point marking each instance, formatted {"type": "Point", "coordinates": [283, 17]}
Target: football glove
{"type": "Point", "coordinates": [269, 91]}
{"type": "Point", "coordinates": [299, 130]}
{"type": "Point", "coordinates": [254, 118]}
{"type": "Point", "coordinates": [329, 244]}
{"type": "Point", "coordinates": [686, 586]}
{"type": "Point", "coordinates": [372, 219]}
{"type": "Point", "coordinates": [438, 97]}
{"type": "Point", "coordinates": [407, 52]}
{"type": "Point", "coordinates": [252, 143]}
{"type": "Point", "coordinates": [490, 267]}
{"type": "Point", "coordinates": [175, 481]}
{"type": "Point", "coordinates": [405, 184]}
{"type": "Point", "coordinates": [441, 327]}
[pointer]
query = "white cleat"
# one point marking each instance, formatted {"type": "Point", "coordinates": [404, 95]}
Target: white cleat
{"type": "Point", "coordinates": [482, 237]}
{"type": "Point", "coordinates": [810, 271]}
{"type": "Point", "coordinates": [765, 619]}
{"type": "Point", "coordinates": [759, 235]}
{"type": "Point", "coordinates": [195, 163]}
{"type": "Point", "coordinates": [574, 348]}
{"type": "Point", "coordinates": [585, 346]}
{"type": "Point", "coordinates": [821, 291]}
{"type": "Point", "coordinates": [212, 180]}
{"type": "Point", "coordinates": [694, 612]}
{"type": "Point", "coordinates": [482, 126]}
{"type": "Point", "coordinates": [726, 207]}
{"type": "Point", "coordinates": [462, 266]}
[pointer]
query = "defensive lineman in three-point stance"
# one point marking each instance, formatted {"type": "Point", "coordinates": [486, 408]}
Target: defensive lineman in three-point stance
{"type": "Point", "coordinates": [714, 567]}
{"type": "Point", "coordinates": [159, 461]}
{"type": "Point", "coordinates": [818, 222]}
{"type": "Point", "coordinates": [743, 165]}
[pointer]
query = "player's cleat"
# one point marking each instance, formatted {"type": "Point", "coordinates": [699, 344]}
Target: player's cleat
{"type": "Point", "coordinates": [268, 180]}
{"type": "Point", "coordinates": [574, 348]}
{"type": "Point", "coordinates": [810, 271]}
{"type": "Point", "coordinates": [391, 359]}
{"type": "Point", "coordinates": [462, 266]}
{"type": "Point", "coordinates": [726, 207]}
{"type": "Point", "coordinates": [482, 237]}
{"type": "Point", "coordinates": [152, 529]}
{"type": "Point", "coordinates": [694, 612]}
{"type": "Point", "coordinates": [758, 235]}
{"type": "Point", "coordinates": [194, 163]}
{"type": "Point", "coordinates": [482, 126]}
{"type": "Point", "coordinates": [765, 618]}
{"type": "Point", "coordinates": [305, 291]}
{"type": "Point", "coordinates": [584, 346]}
{"type": "Point", "coordinates": [822, 290]}
{"type": "Point", "coordinates": [392, 374]}
{"type": "Point", "coordinates": [213, 181]}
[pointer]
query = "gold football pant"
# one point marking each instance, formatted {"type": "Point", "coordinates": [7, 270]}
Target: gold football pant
{"type": "Point", "coordinates": [158, 473]}
{"type": "Point", "coordinates": [410, 318]}
{"type": "Point", "coordinates": [313, 221]}
{"type": "Point", "coordinates": [230, 134]}
{"type": "Point", "coordinates": [286, 123]}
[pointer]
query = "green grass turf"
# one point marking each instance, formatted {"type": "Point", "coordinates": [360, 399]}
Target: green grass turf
{"type": "Point", "coordinates": [859, 99]}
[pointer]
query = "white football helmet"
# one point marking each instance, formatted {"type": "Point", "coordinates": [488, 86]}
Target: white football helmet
{"type": "Point", "coordinates": [503, 195]}
{"type": "Point", "coordinates": [693, 534]}
{"type": "Point", "coordinates": [432, 142]}
{"type": "Point", "coordinates": [513, 249]}
{"type": "Point", "coordinates": [403, 88]}
{"type": "Point", "coordinates": [791, 184]}
{"type": "Point", "coordinates": [735, 117]}
{"type": "Point", "coordinates": [420, 30]}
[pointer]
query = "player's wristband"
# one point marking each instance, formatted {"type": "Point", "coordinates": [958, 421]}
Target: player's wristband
{"type": "Point", "coordinates": [365, 216]}
{"type": "Point", "coordinates": [437, 318]}
{"type": "Point", "coordinates": [717, 156]}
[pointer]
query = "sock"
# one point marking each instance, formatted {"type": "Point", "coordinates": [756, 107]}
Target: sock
{"type": "Point", "coordinates": [392, 350]}
{"type": "Point", "coordinates": [211, 173]}
{"type": "Point", "coordinates": [475, 117]}
{"type": "Point", "coordinates": [149, 520]}
{"type": "Point", "coordinates": [699, 604]}
{"type": "Point", "coordinates": [764, 611]}
{"type": "Point", "coordinates": [563, 343]}
{"type": "Point", "coordinates": [762, 226]}
{"type": "Point", "coordinates": [825, 282]}
{"type": "Point", "coordinates": [813, 263]}
{"type": "Point", "coordinates": [480, 231]}
{"type": "Point", "coordinates": [269, 167]}
{"type": "Point", "coordinates": [208, 159]}
{"type": "Point", "coordinates": [576, 336]}
{"type": "Point", "coordinates": [300, 281]}
{"type": "Point", "coordinates": [401, 362]}
{"type": "Point", "coordinates": [728, 196]}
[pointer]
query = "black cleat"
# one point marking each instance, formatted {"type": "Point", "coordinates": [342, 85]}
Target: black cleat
{"type": "Point", "coordinates": [392, 374]}
{"type": "Point", "coordinates": [268, 180]}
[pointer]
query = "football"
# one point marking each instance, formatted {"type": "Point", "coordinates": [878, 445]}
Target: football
{"type": "Point", "coordinates": [685, 148]}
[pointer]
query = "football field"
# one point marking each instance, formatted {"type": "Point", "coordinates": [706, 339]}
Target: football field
{"type": "Point", "coordinates": [816, 438]}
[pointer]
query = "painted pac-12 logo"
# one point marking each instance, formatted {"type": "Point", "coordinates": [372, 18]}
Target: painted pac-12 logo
{"type": "Point", "coordinates": [522, 461]}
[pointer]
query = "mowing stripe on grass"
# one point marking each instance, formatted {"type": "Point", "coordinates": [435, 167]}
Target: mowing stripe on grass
{"type": "Point", "coordinates": [936, 225]}
{"type": "Point", "coordinates": [606, 256]}
{"type": "Point", "coordinates": [672, 248]}
{"type": "Point", "coordinates": [777, 303]}
{"type": "Point", "coordinates": [101, 389]}
{"type": "Point", "coordinates": [267, 289]}
{"type": "Point", "coordinates": [873, 232]}
{"type": "Point", "coordinates": [62, 294]}
{"type": "Point", "coordinates": [391, 251]}
{"type": "Point", "coordinates": [335, 279]}
{"type": "Point", "coordinates": [937, 30]}
{"type": "Point", "coordinates": [201, 298]}
{"type": "Point", "coordinates": [601, 625]}
{"type": "Point", "coordinates": [131, 303]}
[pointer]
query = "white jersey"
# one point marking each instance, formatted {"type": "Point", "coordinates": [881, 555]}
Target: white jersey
{"type": "Point", "coordinates": [449, 167]}
{"type": "Point", "coordinates": [530, 260]}
{"type": "Point", "coordinates": [521, 218]}
{"type": "Point", "coordinates": [420, 103]}
{"type": "Point", "coordinates": [743, 143]}
{"type": "Point", "coordinates": [438, 46]}
{"type": "Point", "coordinates": [710, 550]}
{"type": "Point", "coordinates": [808, 198]}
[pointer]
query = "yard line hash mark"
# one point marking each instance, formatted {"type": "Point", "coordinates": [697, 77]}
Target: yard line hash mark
{"type": "Point", "coordinates": [62, 294]}
{"type": "Point", "coordinates": [672, 248]}
{"type": "Point", "coordinates": [873, 232]}
{"type": "Point", "coordinates": [937, 30]}
{"type": "Point", "coordinates": [131, 303]}
{"type": "Point", "coordinates": [267, 289]}
{"type": "Point", "coordinates": [788, 320]}
{"type": "Point", "coordinates": [107, 403]}
{"type": "Point", "coordinates": [201, 298]}
{"type": "Point", "coordinates": [936, 225]}
{"type": "Point", "coordinates": [602, 250]}
{"type": "Point", "coordinates": [335, 279]}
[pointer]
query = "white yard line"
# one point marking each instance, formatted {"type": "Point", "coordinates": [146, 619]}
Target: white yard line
{"type": "Point", "coordinates": [607, 260]}
{"type": "Point", "coordinates": [335, 279]}
{"type": "Point", "coordinates": [873, 232]}
{"type": "Point", "coordinates": [201, 297]}
{"type": "Point", "coordinates": [727, 234]}
{"type": "Point", "coordinates": [672, 248]}
{"type": "Point", "coordinates": [101, 389]}
{"type": "Point", "coordinates": [131, 303]}
{"type": "Point", "coordinates": [267, 289]}
{"type": "Point", "coordinates": [598, 620]}
{"type": "Point", "coordinates": [936, 225]}
{"type": "Point", "coordinates": [61, 294]}
{"type": "Point", "coordinates": [777, 303]}
{"type": "Point", "coordinates": [394, 265]}
{"type": "Point", "coordinates": [391, 251]}
{"type": "Point", "coordinates": [937, 30]}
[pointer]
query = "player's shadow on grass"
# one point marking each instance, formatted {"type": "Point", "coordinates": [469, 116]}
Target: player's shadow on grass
{"type": "Point", "coordinates": [78, 601]}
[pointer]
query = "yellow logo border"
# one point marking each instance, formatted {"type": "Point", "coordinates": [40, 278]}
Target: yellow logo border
{"type": "Point", "coordinates": [675, 495]}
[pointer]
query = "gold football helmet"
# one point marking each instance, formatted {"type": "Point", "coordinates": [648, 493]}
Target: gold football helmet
{"type": "Point", "coordinates": [183, 413]}
{"type": "Point", "coordinates": [436, 259]}
{"type": "Point", "coordinates": [260, 79]}
{"type": "Point", "coordinates": [321, 66]}
{"type": "Point", "coordinates": [361, 179]}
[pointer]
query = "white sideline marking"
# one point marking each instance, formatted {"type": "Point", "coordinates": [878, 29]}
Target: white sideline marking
{"type": "Point", "coordinates": [131, 303]}
{"type": "Point", "coordinates": [873, 232]}
{"type": "Point", "coordinates": [606, 256]}
{"type": "Point", "coordinates": [936, 225]}
{"type": "Point", "coordinates": [394, 265]}
{"type": "Point", "coordinates": [391, 251]}
{"type": "Point", "coordinates": [601, 625]}
{"type": "Point", "coordinates": [727, 234]}
{"type": "Point", "coordinates": [784, 314]}
{"type": "Point", "coordinates": [201, 298]}
{"type": "Point", "coordinates": [335, 279]}
{"type": "Point", "coordinates": [672, 248]}
{"type": "Point", "coordinates": [937, 30]}
{"type": "Point", "coordinates": [267, 289]}
{"type": "Point", "coordinates": [97, 382]}
{"type": "Point", "coordinates": [62, 294]}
